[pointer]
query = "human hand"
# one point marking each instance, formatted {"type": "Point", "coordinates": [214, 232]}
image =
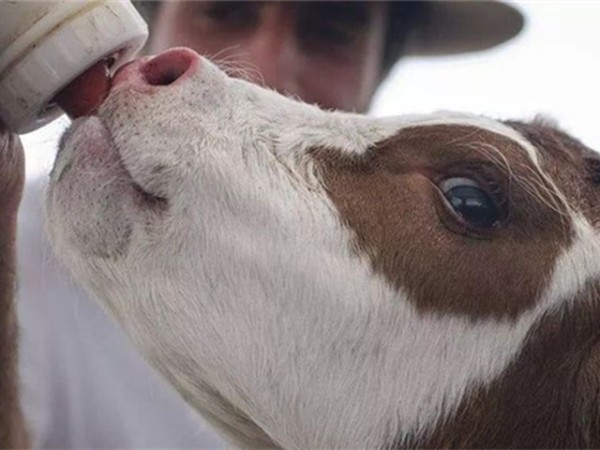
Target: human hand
{"type": "Point", "coordinates": [12, 174]}
{"type": "Point", "coordinates": [12, 168]}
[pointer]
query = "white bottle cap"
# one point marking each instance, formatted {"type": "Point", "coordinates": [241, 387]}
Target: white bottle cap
{"type": "Point", "coordinates": [56, 49]}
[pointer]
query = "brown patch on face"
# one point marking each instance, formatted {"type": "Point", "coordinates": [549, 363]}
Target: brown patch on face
{"type": "Point", "coordinates": [391, 200]}
{"type": "Point", "coordinates": [548, 398]}
{"type": "Point", "coordinates": [573, 167]}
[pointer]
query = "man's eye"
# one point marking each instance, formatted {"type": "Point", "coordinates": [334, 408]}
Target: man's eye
{"type": "Point", "coordinates": [231, 13]}
{"type": "Point", "coordinates": [471, 203]}
{"type": "Point", "coordinates": [329, 32]}
{"type": "Point", "coordinates": [341, 24]}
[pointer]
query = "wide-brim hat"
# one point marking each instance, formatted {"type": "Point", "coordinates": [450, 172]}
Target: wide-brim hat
{"type": "Point", "coordinates": [442, 27]}
{"type": "Point", "coordinates": [452, 27]}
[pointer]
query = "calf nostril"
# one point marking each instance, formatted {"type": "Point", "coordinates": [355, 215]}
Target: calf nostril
{"type": "Point", "coordinates": [168, 67]}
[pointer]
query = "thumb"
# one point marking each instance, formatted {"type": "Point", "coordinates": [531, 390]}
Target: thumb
{"type": "Point", "coordinates": [12, 173]}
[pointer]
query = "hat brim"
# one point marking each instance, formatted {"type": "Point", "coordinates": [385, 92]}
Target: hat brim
{"type": "Point", "coordinates": [452, 27]}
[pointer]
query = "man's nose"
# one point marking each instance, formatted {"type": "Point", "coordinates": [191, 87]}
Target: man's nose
{"type": "Point", "coordinates": [273, 51]}
{"type": "Point", "coordinates": [167, 68]}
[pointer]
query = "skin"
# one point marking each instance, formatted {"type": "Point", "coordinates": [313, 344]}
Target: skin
{"type": "Point", "coordinates": [323, 53]}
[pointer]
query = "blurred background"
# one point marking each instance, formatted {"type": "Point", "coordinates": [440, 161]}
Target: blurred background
{"type": "Point", "coordinates": [552, 68]}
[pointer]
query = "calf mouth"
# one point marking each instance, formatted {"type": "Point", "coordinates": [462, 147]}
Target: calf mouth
{"type": "Point", "coordinates": [102, 145]}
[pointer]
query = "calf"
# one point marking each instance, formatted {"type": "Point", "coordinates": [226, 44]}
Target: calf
{"type": "Point", "coordinates": [317, 279]}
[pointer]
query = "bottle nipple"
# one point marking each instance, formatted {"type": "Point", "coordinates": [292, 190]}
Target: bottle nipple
{"type": "Point", "coordinates": [84, 95]}
{"type": "Point", "coordinates": [45, 45]}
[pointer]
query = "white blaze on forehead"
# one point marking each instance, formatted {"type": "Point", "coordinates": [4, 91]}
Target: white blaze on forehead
{"type": "Point", "coordinates": [484, 123]}
{"type": "Point", "coordinates": [577, 266]}
{"type": "Point", "coordinates": [356, 134]}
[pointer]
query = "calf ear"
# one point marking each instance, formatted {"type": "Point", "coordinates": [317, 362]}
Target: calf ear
{"type": "Point", "coordinates": [586, 407]}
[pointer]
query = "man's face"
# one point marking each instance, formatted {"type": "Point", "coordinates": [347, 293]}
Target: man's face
{"type": "Point", "coordinates": [327, 53]}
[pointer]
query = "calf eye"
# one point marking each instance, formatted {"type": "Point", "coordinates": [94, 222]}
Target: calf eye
{"type": "Point", "coordinates": [471, 203]}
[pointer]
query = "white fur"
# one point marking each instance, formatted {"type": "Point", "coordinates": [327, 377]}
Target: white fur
{"type": "Point", "coordinates": [250, 284]}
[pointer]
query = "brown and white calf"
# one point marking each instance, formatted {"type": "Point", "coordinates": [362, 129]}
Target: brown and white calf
{"type": "Point", "coordinates": [311, 279]}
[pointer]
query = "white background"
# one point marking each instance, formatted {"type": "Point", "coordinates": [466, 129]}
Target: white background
{"type": "Point", "coordinates": [552, 68]}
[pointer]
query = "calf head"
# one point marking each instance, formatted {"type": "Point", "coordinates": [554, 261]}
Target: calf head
{"type": "Point", "coordinates": [320, 279]}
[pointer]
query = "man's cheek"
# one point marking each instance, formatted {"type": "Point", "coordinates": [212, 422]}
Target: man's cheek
{"type": "Point", "coordinates": [333, 88]}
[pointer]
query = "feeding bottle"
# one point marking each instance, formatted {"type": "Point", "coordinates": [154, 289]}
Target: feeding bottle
{"type": "Point", "coordinates": [46, 44]}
